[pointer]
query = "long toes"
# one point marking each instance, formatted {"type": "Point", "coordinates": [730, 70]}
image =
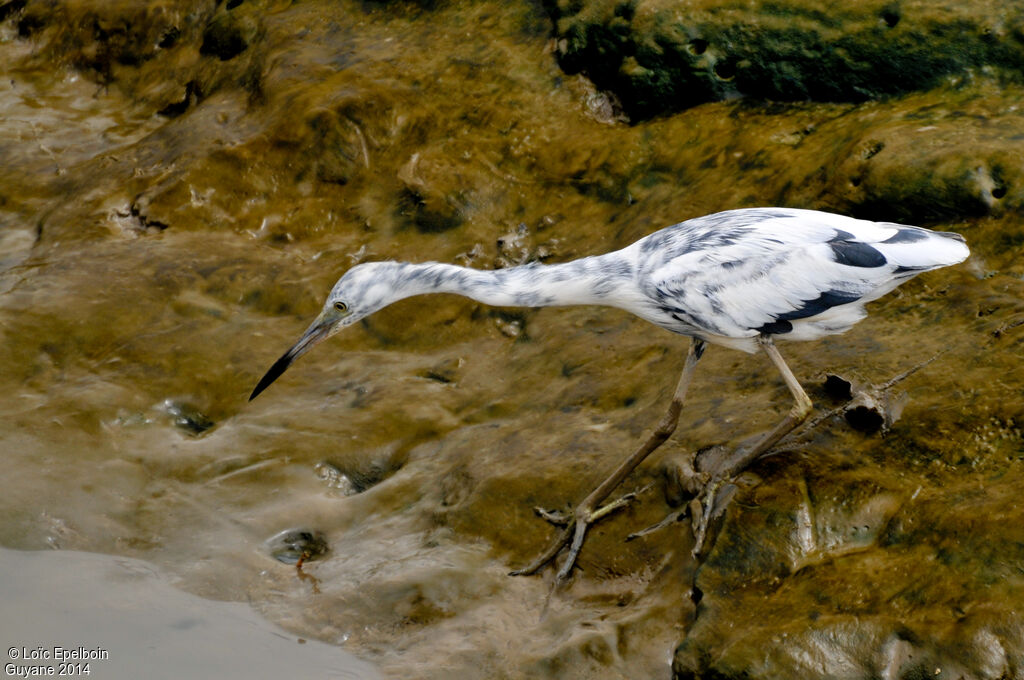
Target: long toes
{"type": "Point", "coordinates": [725, 494]}
{"type": "Point", "coordinates": [549, 553]}
{"type": "Point", "coordinates": [707, 510]}
{"type": "Point", "coordinates": [554, 516]}
{"type": "Point", "coordinates": [574, 552]}
{"type": "Point", "coordinates": [669, 519]}
{"type": "Point", "coordinates": [575, 524]}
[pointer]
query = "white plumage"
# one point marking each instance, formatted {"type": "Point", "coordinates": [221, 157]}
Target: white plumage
{"type": "Point", "coordinates": [738, 278]}
{"type": "Point", "coordinates": [733, 276]}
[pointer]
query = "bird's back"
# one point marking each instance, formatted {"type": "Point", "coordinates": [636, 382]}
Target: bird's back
{"type": "Point", "coordinates": [801, 274]}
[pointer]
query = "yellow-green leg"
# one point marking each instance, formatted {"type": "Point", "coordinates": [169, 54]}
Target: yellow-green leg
{"type": "Point", "coordinates": [727, 468]}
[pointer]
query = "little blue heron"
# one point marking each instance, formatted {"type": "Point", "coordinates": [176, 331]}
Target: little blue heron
{"type": "Point", "coordinates": [737, 278]}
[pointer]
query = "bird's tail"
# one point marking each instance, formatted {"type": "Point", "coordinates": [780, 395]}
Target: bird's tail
{"type": "Point", "coordinates": [914, 248]}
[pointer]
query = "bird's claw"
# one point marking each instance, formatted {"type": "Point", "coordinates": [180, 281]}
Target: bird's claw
{"type": "Point", "coordinates": [698, 482]}
{"type": "Point", "coordinates": [575, 526]}
{"type": "Point", "coordinates": [699, 513]}
{"type": "Point", "coordinates": [669, 519]}
{"type": "Point", "coordinates": [556, 517]}
{"type": "Point", "coordinates": [551, 551]}
{"type": "Point", "coordinates": [707, 507]}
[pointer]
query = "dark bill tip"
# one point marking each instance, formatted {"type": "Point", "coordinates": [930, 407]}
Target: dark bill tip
{"type": "Point", "coordinates": [320, 330]}
{"type": "Point", "coordinates": [279, 367]}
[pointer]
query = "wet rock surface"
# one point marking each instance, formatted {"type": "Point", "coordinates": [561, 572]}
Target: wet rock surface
{"type": "Point", "coordinates": [297, 546]}
{"type": "Point", "coordinates": [661, 56]}
{"type": "Point", "coordinates": [183, 182]}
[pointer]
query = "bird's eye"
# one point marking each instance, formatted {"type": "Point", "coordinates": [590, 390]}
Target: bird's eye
{"type": "Point", "coordinates": [341, 306]}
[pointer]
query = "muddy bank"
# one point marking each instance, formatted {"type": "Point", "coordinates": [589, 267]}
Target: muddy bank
{"type": "Point", "coordinates": [182, 184]}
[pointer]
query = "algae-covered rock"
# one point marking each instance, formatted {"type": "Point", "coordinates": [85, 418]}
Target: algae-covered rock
{"type": "Point", "coordinates": [869, 583]}
{"type": "Point", "coordinates": [167, 54]}
{"type": "Point", "coordinates": [902, 561]}
{"type": "Point", "coordinates": [230, 32]}
{"type": "Point", "coordinates": [931, 157]}
{"type": "Point", "coordinates": [183, 181]}
{"type": "Point", "coordinates": [660, 56]}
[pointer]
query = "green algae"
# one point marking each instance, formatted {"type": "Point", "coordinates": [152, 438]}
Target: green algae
{"type": "Point", "coordinates": [663, 56]}
{"type": "Point", "coordinates": [176, 214]}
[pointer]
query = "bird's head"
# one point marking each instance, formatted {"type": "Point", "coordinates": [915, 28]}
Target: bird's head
{"type": "Point", "coordinates": [363, 290]}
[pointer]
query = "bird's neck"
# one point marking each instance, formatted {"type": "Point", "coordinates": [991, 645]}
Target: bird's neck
{"type": "Point", "coordinates": [602, 280]}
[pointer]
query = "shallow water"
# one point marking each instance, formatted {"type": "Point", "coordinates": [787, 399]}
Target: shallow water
{"type": "Point", "coordinates": [154, 266]}
{"type": "Point", "coordinates": [118, 618]}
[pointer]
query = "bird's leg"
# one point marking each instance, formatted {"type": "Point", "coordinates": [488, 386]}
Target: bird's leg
{"type": "Point", "coordinates": [798, 414]}
{"type": "Point", "coordinates": [587, 512]}
{"type": "Point", "coordinates": [725, 469]}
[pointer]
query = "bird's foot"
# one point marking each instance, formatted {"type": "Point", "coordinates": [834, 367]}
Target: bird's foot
{"type": "Point", "coordinates": [712, 480]}
{"type": "Point", "coordinates": [708, 507]}
{"type": "Point", "coordinates": [574, 530]}
{"type": "Point", "coordinates": [669, 519]}
{"type": "Point", "coordinates": [556, 517]}
{"type": "Point", "coordinates": [702, 483]}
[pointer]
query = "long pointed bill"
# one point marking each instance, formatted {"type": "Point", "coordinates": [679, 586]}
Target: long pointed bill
{"type": "Point", "coordinates": [318, 331]}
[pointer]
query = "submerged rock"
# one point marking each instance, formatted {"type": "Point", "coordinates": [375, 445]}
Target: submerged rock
{"type": "Point", "coordinates": [186, 416]}
{"type": "Point", "coordinates": [295, 546]}
{"type": "Point", "coordinates": [360, 476]}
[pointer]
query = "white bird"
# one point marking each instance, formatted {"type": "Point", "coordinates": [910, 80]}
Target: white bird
{"type": "Point", "coordinates": [738, 278]}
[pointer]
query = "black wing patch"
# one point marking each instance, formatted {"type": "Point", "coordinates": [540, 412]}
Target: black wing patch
{"type": "Point", "coordinates": [775, 328]}
{"type": "Point", "coordinates": [824, 302]}
{"type": "Point", "coordinates": [951, 234]}
{"type": "Point", "coordinates": [907, 235]}
{"type": "Point", "coordinates": [854, 254]}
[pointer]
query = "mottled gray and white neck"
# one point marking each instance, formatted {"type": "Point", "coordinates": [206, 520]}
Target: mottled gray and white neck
{"type": "Point", "coordinates": [602, 280]}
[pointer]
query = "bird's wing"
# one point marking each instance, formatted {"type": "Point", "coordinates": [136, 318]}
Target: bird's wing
{"type": "Point", "coordinates": [757, 273]}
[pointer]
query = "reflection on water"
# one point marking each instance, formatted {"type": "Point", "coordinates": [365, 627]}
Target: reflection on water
{"type": "Point", "coordinates": [155, 261]}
